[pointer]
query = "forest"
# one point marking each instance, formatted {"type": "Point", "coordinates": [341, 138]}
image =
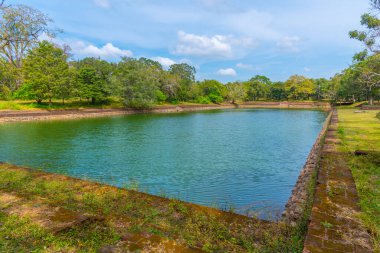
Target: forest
{"type": "Point", "coordinates": [43, 71]}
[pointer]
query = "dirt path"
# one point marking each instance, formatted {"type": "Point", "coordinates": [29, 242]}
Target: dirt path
{"type": "Point", "coordinates": [335, 225]}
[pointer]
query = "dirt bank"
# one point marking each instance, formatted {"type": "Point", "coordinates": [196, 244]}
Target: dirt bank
{"type": "Point", "coordinates": [36, 115]}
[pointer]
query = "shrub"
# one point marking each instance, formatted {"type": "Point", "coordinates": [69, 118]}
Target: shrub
{"type": "Point", "coordinates": [203, 100]}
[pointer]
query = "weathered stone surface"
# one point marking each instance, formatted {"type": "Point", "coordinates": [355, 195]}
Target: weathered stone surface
{"type": "Point", "coordinates": [334, 224]}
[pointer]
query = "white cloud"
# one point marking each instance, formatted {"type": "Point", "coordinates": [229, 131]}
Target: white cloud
{"type": "Point", "coordinates": [107, 51]}
{"type": "Point", "coordinates": [165, 62]}
{"type": "Point", "coordinates": [306, 69]}
{"type": "Point", "coordinates": [102, 3]}
{"type": "Point", "coordinates": [216, 46]}
{"type": "Point", "coordinates": [227, 72]}
{"type": "Point", "coordinates": [198, 45]}
{"type": "Point", "coordinates": [289, 43]}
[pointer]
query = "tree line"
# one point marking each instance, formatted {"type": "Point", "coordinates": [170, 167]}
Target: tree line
{"type": "Point", "coordinates": [42, 71]}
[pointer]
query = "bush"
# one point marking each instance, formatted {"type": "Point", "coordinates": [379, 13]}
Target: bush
{"type": "Point", "coordinates": [161, 97]}
{"type": "Point", "coordinates": [215, 98]}
{"type": "Point", "coordinates": [203, 100]}
{"type": "Point", "coordinates": [5, 93]}
{"type": "Point", "coordinates": [378, 115]}
{"type": "Point", "coordinates": [139, 103]}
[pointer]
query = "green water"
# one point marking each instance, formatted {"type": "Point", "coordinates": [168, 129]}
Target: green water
{"type": "Point", "coordinates": [245, 159]}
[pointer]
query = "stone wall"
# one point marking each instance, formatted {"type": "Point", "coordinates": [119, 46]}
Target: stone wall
{"type": "Point", "coordinates": [287, 104]}
{"type": "Point", "coordinates": [370, 107]}
{"type": "Point", "coordinates": [296, 204]}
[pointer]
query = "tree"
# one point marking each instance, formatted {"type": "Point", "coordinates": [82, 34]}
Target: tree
{"type": "Point", "coordinates": [299, 87]}
{"type": "Point", "coordinates": [235, 91]}
{"type": "Point", "coordinates": [8, 76]}
{"type": "Point", "coordinates": [186, 74]}
{"type": "Point", "coordinates": [371, 36]}
{"type": "Point", "coordinates": [367, 73]}
{"type": "Point", "coordinates": [20, 29]}
{"type": "Point", "coordinates": [140, 82]}
{"type": "Point", "coordinates": [170, 85]}
{"type": "Point", "coordinates": [257, 87]}
{"type": "Point", "coordinates": [46, 71]}
{"type": "Point", "coordinates": [213, 90]}
{"type": "Point", "coordinates": [277, 91]}
{"type": "Point", "coordinates": [321, 88]}
{"type": "Point", "coordinates": [94, 79]}
{"type": "Point", "coordinates": [89, 84]}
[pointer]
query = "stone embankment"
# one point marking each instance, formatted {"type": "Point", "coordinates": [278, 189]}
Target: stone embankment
{"type": "Point", "coordinates": [370, 107]}
{"type": "Point", "coordinates": [288, 105]}
{"type": "Point", "coordinates": [295, 207]}
{"type": "Point", "coordinates": [335, 225]}
{"type": "Point", "coordinates": [36, 115]}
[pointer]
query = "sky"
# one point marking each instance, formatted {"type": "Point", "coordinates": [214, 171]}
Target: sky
{"type": "Point", "coordinates": [226, 40]}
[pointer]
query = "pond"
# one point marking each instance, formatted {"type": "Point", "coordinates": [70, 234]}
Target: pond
{"type": "Point", "coordinates": [244, 160]}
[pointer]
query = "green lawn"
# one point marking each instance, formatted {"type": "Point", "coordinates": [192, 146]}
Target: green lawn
{"type": "Point", "coordinates": [28, 198]}
{"type": "Point", "coordinates": [361, 131]}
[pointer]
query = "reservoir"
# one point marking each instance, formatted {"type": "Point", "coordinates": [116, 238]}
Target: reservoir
{"type": "Point", "coordinates": [245, 160]}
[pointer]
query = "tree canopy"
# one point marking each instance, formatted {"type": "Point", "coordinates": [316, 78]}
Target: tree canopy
{"type": "Point", "coordinates": [40, 70]}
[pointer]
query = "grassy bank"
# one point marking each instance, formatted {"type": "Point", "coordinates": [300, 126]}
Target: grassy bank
{"type": "Point", "coordinates": [361, 131]}
{"type": "Point", "coordinates": [48, 213]}
{"type": "Point", "coordinates": [57, 104]}
{"type": "Point", "coordinates": [115, 103]}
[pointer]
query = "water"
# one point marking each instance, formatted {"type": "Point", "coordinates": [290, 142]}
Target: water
{"type": "Point", "coordinates": [245, 159]}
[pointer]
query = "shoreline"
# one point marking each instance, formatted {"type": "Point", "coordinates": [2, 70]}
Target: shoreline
{"type": "Point", "coordinates": [7, 116]}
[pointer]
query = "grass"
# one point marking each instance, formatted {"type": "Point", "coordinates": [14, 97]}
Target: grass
{"type": "Point", "coordinates": [127, 211]}
{"type": "Point", "coordinates": [361, 131]}
{"type": "Point", "coordinates": [22, 235]}
{"type": "Point", "coordinates": [84, 104]}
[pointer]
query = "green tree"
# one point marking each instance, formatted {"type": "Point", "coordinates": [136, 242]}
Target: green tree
{"type": "Point", "coordinates": [46, 71]}
{"type": "Point", "coordinates": [321, 88]}
{"type": "Point", "coordinates": [277, 91]}
{"type": "Point", "coordinates": [101, 85]}
{"type": "Point", "coordinates": [89, 84]}
{"type": "Point", "coordinates": [299, 87]}
{"type": "Point", "coordinates": [213, 90]}
{"type": "Point", "coordinates": [367, 75]}
{"type": "Point", "coordinates": [235, 92]}
{"type": "Point", "coordinates": [186, 74]}
{"type": "Point", "coordinates": [170, 85]}
{"type": "Point", "coordinates": [140, 80]}
{"type": "Point", "coordinates": [257, 87]}
{"type": "Point", "coordinates": [371, 36]}
{"type": "Point", "coordinates": [8, 76]}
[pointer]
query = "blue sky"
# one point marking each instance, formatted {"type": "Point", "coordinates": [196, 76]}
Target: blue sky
{"type": "Point", "coordinates": [224, 39]}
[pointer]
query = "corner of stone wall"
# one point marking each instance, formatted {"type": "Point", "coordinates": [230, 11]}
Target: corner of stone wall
{"type": "Point", "coordinates": [297, 203]}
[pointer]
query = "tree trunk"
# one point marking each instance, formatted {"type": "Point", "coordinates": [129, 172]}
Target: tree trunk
{"type": "Point", "coordinates": [63, 101]}
{"type": "Point", "coordinates": [370, 96]}
{"type": "Point", "coordinates": [49, 101]}
{"type": "Point", "coordinates": [93, 100]}
{"type": "Point", "coordinates": [39, 101]}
